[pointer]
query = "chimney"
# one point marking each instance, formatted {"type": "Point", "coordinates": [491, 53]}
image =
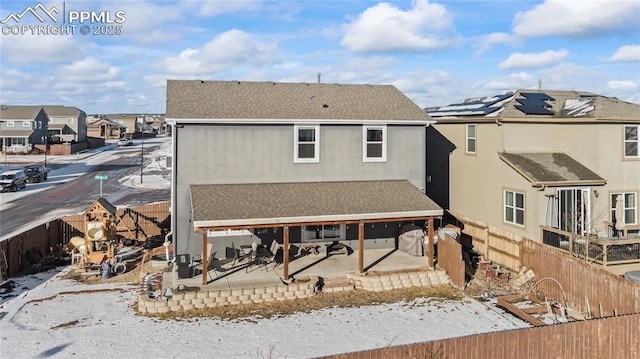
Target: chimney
{"type": "Point", "coordinates": [319, 77]}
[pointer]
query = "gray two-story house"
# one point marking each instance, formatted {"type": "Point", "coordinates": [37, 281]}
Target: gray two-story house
{"type": "Point", "coordinates": [22, 127]}
{"type": "Point", "coordinates": [66, 124]}
{"type": "Point", "coordinates": [295, 161]}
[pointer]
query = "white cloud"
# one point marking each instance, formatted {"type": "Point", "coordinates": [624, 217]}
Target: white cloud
{"type": "Point", "coordinates": [622, 85]}
{"type": "Point", "coordinates": [507, 83]}
{"type": "Point", "coordinates": [88, 70]}
{"type": "Point", "coordinates": [628, 53]}
{"type": "Point", "coordinates": [521, 60]}
{"type": "Point", "coordinates": [385, 27]}
{"type": "Point", "coordinates": [223, 52]}
{"type": "Point", "coordinates": [29, 49]}
{"type": "Point", "coordinates": [215, 8]}
{"type": "Point", "coordinates": [576, 18]}
{"type": "Point", "coordinates": [497, 38]}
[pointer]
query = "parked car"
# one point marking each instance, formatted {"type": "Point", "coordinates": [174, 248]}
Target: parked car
{"type": "Point", "coordinates": [11, 181]}
{"type": "Point", "coordinates": [125, 141]}
{"type": "Point", "coordinates": [36, 173]}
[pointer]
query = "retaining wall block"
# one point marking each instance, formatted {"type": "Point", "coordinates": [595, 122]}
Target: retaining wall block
{"type": "Point", "coordinates": [200, 306]}
{"type": "Point", "coordinates": [212, 304]}
{"type": "Point", "coordinates": [260, 290]}
{"type": "Point", "coordinates": [152, 310]}
{"type": "Point", "coordinates": [173, 302]}
{"type": "Point", "coordinates": [282, 289]}
{"type": "Point", "coordinates": [161, 304]}
{"type": "Point", "coordinates": [278, 295]}
{"type": "Point", "coordinates": [196, 301]}
{"type": "Point", "coordinates": [270, 290]}
{"type": "Point", "coordinates": [190, 295]}
{"type": "Point", "coordinates": [255, 296]}
{"type": "Point", "coordinates": [175, 308]}
{"type": "Point", "coordinates": [213, 294]}
{"type": "Point", "coordinates": [248, 291]}
{"type": "Point", "coordinates": [202, 294]}
{"type": "Point", "coordinates": [178, 296]}
{"type": "Point", "coordinates": [235, 292]}
{"type": "Point", "coordinates": [185, 302]}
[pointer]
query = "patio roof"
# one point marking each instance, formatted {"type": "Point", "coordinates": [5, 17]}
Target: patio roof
{"type": "Point", "coordinates": [256, 205]}
{"type": "Point", "coordinates": [551, 169]}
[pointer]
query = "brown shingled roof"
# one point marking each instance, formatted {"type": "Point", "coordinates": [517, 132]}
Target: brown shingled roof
{"type": "Point", "coordinates": [288, 203]}
{"type": "Point", "coordinates": [551, 169]}
{"type": "Point", "coordinates": [276, 100]}
{"type": "Point", "coordinates": [19, 112]}
{"type": "Point", "coordinates": [61, 111]}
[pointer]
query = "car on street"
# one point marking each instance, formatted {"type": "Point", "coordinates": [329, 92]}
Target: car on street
{"type": "Point", "coordinates": [11, 181]}
{"type": "Point", "coordinates": [36, 173]}
{"type": "Point", "coordinates": [125, 141]}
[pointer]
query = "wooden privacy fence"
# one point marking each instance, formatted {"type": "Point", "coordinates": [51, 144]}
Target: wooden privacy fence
{"type": "Point", "coordinates": [614, 337]}
{"type": "Point", "coordinates": [585, 287]}
{"type": "Point", "coordinates": [494, 243]}
{"type": "Point", "coordinates": [26, 250]}
{"type": "Point", "coordinates": [450, 259]}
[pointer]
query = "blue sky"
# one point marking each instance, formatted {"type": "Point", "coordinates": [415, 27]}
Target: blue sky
{"type": "Point", "coordinates": [436, 52]}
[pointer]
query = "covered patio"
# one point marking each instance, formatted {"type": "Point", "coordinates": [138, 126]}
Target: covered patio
{"type": "Point", "coordinates": [292, 207]}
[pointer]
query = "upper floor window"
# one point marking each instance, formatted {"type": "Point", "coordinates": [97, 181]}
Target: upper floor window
{"type": "Point", "coordinates": [26, 123]}
{"type": "Point", "coordinates": [471, 138]}
{"type": "Point", "coordinates": [70, 120]}
{"type": "Point", "coordinates": [374, 145]}
{"type": "Point", "coordinates": [629, 207]}
{"type": "Point", "coordinates": [11, 123]}
{"type": "Point", "coordinates": [632, 141]}
{"type": "Point", "coordinates": [514, 207]}
{"type": "Point", "coordinates": [306, 144]}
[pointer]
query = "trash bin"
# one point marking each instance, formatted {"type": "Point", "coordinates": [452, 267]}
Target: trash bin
{"type": "Point", "coordinates": [184, 265]}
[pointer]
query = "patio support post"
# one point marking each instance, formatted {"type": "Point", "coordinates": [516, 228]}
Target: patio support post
{"type": "Point", "coordinates": [430, 248]}
{"type": "Point", "coordinates": [285, 252]}
{"type": "Point", "coordinates": [361, 246]}
{"type": "Point", "coordinates": [205, 265]}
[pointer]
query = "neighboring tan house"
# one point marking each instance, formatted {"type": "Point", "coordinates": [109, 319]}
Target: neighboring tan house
{"type": "Point", "coordinates": [104, 128]}
{"type": "Point", "coordinates": [22, 127]}
{"type": "Point", "coordinates": [66, 124]}
{"type": "Point", "coordinates": [295, 162]}
{"type": "Point", "coordinates": [537, 159]}
{"type": "Point", "coordinates": [131, 122]}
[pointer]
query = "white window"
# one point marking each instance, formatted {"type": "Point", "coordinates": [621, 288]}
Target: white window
{"type": "Point", "coordinates": [11, 123]}
{"type": "Point", "coordinates": [306, 144]}
{"type": "Point", "coordinates": [26, 123]}
{"type": "Point", "coordinates": [632, 141]}
{"type": "Point", "coordinates": [471, 138]}
{"type": "Point", "coordinates": [514, 207]}
{"type": "Point", "coordinates": [374, 144]}
{"type": "Point", "coordinates": [629, 207]}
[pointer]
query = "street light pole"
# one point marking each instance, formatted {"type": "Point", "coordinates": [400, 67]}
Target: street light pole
{"type": "Point", "coordinates": [141, 155]}
{"type": "Point", "coordinates": [46, 149]}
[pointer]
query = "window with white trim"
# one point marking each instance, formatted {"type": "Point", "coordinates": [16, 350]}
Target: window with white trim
{"type": "Point", "coordinates": [11, 123]}
{"type": "Point", "coordinates": [632, 141]}
{"type": "Point", "coordinates": [514, 207]}
{"type": "Point", "coordinates": [629, 207]}
{"type": "Point", "coordinates": [471, 138]}
{"type": "Point", "coordinates": [26, 123]}
{"type": "Point", "coordinates": [374, 144]}
{"type": "Point", "coordinates": [306, 143]}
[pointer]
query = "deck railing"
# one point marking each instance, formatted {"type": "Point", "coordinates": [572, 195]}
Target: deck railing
{"type": "Point", "coordinates": [609, 251]}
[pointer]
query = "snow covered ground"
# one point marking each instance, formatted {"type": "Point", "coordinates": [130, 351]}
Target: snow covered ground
{"type": "Point", "coordinates": [50, 317]}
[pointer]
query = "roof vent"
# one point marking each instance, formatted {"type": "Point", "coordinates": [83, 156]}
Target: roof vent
{"type": "Point", "coordinates": [325, 106]}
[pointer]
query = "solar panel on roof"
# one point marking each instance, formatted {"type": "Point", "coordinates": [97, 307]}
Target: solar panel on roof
{"type": "Point", "coordinates": [475, 107]}
{"type": "Point", "coordinates": [534, 103]}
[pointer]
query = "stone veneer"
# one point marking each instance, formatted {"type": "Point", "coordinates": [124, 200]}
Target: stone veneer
{"type": "Point", "coordinates": [185, 301]}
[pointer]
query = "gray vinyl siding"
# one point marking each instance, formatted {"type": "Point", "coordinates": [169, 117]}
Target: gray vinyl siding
{"type": "Point", "coordinates": [221, 154]}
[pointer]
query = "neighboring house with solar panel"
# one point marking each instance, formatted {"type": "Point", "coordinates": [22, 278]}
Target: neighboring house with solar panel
{"type": "Point", "coordinates": [537, 159]}
{"type": "Point", "coordinates": [314, 161]}
{"type": "Point", "coordinates": [66, 124]}
{"type": "Point", "coordinates": [22, 127]}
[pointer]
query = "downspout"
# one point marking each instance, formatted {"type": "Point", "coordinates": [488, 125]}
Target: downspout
{"type": "Point", "coordinates": [174, 182]}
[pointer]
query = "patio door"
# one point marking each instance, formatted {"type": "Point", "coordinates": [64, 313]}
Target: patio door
{"type": "Point", "coordinates": [574, 213]}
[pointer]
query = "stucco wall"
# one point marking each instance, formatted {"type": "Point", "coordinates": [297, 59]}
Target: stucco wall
{"type": "Point", "coordinates": [216, 154]}
{"type": "Point", "coordinates": [477, 180]}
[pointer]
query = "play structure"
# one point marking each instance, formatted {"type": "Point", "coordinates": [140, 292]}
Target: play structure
{"type": "Point", "coordinates": [100, 241]}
